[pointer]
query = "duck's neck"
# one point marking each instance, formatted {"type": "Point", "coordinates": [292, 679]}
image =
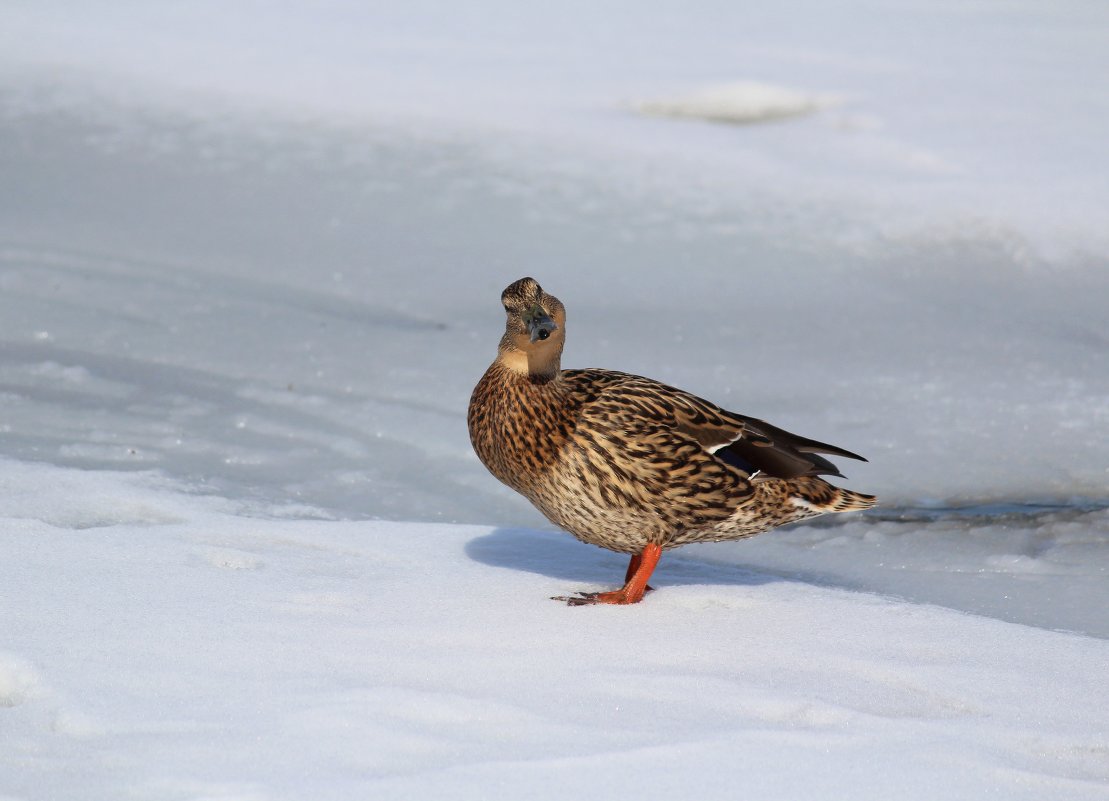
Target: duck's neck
{"type": "Point", "coordinates": [531, 367]}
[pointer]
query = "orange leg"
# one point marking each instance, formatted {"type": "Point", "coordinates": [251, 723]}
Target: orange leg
{"type": "Point", "coordinates": [633, 566]}
{"type": "Point", "coordinates": [640, 569]}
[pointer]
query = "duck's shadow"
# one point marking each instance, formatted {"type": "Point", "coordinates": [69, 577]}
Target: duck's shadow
{"type": "Point", "coordinates": [560, 556]}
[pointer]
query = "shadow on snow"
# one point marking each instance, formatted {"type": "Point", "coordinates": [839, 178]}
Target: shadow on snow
{"type": "Point", "coordinates": [560, 556]}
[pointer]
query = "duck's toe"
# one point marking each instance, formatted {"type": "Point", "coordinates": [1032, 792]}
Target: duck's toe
{"type": "Point", "coordinates": [620, 597]}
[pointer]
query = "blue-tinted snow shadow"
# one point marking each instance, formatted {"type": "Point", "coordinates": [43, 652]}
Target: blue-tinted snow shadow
{"type": "Point", "coordinates": [560, 556]}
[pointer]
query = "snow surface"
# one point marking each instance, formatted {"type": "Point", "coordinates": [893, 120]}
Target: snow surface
{"type": "Point", "coordinates": [250, 257]}
{"type": "Point", "coordinates": [183, 650]}
{"type": "Point", "coordinates": [738, 103]}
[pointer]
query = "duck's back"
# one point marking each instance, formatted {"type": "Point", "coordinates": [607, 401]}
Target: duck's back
{"type": "Point", "coordinates": [604, 454]}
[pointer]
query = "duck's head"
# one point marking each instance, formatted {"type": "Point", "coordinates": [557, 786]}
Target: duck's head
{"type": "Point", "coordinates": [534, 331]}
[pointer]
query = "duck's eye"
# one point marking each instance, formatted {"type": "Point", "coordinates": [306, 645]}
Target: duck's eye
{"type": "Point", "coordinates": [542, 334]}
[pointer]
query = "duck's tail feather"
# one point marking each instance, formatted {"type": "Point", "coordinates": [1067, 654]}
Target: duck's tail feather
{"type": "Point", "coordinates": [824, 498]}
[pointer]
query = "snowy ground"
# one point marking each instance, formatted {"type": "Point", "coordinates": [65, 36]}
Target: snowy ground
{"type": "Point", "coordinates": [181, 650]}
{"type": "Point", "coordinates": [249, 269]}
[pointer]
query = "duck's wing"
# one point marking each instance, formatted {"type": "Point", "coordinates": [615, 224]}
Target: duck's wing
{"type": "Point", "coordinates": [786, 455]}
{"type": "Point", "coordinates": [628, 449]}
{"type": "Point", "coordinates": [744, 443]}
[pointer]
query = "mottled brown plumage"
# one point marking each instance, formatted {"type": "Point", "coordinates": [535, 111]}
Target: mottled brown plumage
{"type": "Point", "coordinates": [630, 464]}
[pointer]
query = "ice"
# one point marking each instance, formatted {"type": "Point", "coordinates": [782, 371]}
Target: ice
{"type": "Point", "coordinates": [249, 267]}
{"type": "Point", "coordinates": [283, 357]}
{"type": "Point", "coordinates": [949, 114]}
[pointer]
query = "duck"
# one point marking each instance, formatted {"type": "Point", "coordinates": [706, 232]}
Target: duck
{"type": "Point", "coordinates": [631, 464]}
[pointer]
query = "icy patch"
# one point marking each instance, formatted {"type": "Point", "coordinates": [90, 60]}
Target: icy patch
{"type": "Point", "coordinates": [740, 103]}
{"type": "Point", "coordinates": [1043, 566]}
{"type": "Point", "coordinates": [76, 380]}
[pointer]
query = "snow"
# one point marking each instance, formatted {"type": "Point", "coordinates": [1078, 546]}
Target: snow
{"type": "Point", "coordinates": [739, 103]}
{"type": "Point", "coordinates": [249, 266]}
{"type": "Point", "coordinates": [193, 652]}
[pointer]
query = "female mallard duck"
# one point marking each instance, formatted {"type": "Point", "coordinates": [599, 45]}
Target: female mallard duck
{"type": "Point", "coordinates": [630, 464]}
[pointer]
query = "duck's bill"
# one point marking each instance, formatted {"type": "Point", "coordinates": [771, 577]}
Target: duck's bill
{"type": "Point", "coordinates": [540, 326]}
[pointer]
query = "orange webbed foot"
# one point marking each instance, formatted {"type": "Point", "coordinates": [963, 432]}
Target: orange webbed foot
{"type": "Point", "coordinates": [620, 596]}
{"type": "Point", "coordinates": [640, 569]}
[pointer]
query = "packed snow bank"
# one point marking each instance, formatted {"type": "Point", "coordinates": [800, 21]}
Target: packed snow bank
{"type": "Point", "coordinates": [189, 651]}
{"type": "Point", "coordinates": [739, 103]}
